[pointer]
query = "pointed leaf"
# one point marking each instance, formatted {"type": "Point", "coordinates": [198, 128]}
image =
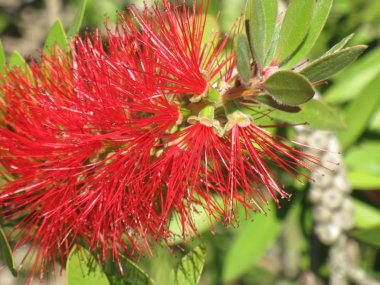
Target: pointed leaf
{"type": "Point", "coordinates": [371, 236]}
{"type": "Point", "coordinates": [56, 36]}
{"type": "Point", "coordinates": [7, 253]}
{"type": "Point", "coordinates": [2, 58]}
{"type": "Point", "coordinates": [243, 58]}
{"type": "Point", "coordinates": [83, 269]}
{"type": "Point", "coordinates": [365, 158]}
{"type": "Point", "coordinates": [321, 13]}
{"type": "Point", "coordinates": [253, 239]}
{"type": "Point", "coordinates": [132, 273]}
{"type": "Point", "coordinates": [294, 28]}
{"type": "Point", "coordinates": [366, 216]}
{"type": "Point", "coordinates": [289, 88]}
{"type": "Point", "coordinates": [329, 65]}
{"type": "Point", "coordinates": [17, 60]}
{"type": "Point", "coordinates": [339, 45]}
{"type": "Point", "coordinates": [189, 270]}
{"type": "Point", "coordinates": [360, 180]}
{"type": "Point", "coordinates": [261, 16]}
{"type": "Point", "coordinates": [351, 83]}
{"type": "Point", "coordinates": [78, 19]}
{"type": "Point", "coordinates": [359, 112]}
{"type": "Point", "coordinates": [315, 113]}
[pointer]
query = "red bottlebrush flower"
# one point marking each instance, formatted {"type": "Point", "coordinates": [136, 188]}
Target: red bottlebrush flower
{"type": "Point", "coordinates": [74, 146]}
{"type": "Point", "coordinates": [188, 62]}
{"type": "Point", "coordinates": [105, 146]}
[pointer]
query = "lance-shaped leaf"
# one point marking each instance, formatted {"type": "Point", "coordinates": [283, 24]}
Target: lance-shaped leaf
{"type": "Point", "coordinates": [7, 253]}
{"type": "Point", "coordinates": [289, 88]}
{"type": "Point", "coordinates": [350, 83]}
{"type": "Point", "coordinates": [316, 114]}
{"type": "Point", "coordinates": [243, 58]}
{"type": "Point", "coordinates": [359, 112]}
{"type": "Point", "coordinates": [339, 45]}
{"type": "Point", "coordinates": [294, 28]}
{"type": "Point", "coordinates": [17, 60]}
{"type": "Point", "coordinates": [321, 13]}
{"type": "Point", "coordinates": [251, 242]}
{"type": "Point", "coordinates": [370, 236]}
{"type": "Point", "coordinates": [83, 269]}
{"type": "Point", "coordinates": [78, 19]}
{"type": "Point", "coordinates": [2, 58]}
{"type": "Point", "coordinates": [132, 273]}
{"type": "Point", "coordinates": [261, 16]}
{"type": "Point", "coordinates": [56, 36]}
{"type": "Point", "coordinates": [327, 66]}
{"type": "Point", "coordinates": [189, 269]}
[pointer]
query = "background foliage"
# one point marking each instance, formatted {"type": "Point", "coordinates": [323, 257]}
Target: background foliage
{"type": "Point", "coordinates": [280, 248]}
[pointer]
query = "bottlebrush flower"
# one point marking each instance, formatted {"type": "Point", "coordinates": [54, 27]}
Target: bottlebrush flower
{"type": "Point", "coordinates": [107, 144]}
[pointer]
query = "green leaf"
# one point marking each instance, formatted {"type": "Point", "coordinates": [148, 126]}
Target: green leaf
{"type": "Point", "coordinates": [201, 220]}
{"type": "Point", "coordinates": [253, 239]}
{"type": "Point", "coordinates": [350, 83]}
{"type": "Point", "coordinates": [56, 36]}
{"type": "Point", "coordinates": [365, 215]}
{"type": "Point", "coordinates": [363, 181]}
{"type": "Point", "coordinates": [339, 45]}
{"type": "Point", "coordinates": [7, 253]}
{"type": "Point", "coordinates": [189, 269]}
{"type": "Point", "coordinates": [315, 113]}
{"type": "Point", "coordinates": [261, 16]}
{"type": "Point", "coordinates": [243, 58]}
{"type": "Point", "coordinates": [289, 88]}
{"type": "Point", "coordinates": [17, 60]}
{"type": "Point", "coordinates": [2, 58]}
{"type": "Point", "coordinates": [132, 273]}
{"type": "Point", "coordinates": [364, 158]}
{"type": "Point", "coordinates": [78, 19]}
{"type": "Point", "coordinates": [294, 28]}
{"type": "Point", "coordinates": [325, 67]}
{"type": "Point", "coordinates": [359, 112]}
{"type": "Point", "coordinates": [83, 269]}
{"type": "Point", "coordinates": [370, 236]}
{"type": "Point", "coordinates": [321, 13]}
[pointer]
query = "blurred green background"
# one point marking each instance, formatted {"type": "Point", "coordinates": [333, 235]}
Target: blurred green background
{"type": "Point", "coordinates": [280, 249]}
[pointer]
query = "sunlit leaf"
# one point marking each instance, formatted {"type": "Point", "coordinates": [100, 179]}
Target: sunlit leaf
{"type": "Point", "coordinates": [294, 28]}
{"type": "Point", "coordinates": [363, 181]}
{"type": "Point", "coordinates": [56, 36]}
{"type": "Point", "coordinates": [261, 16]}
{"type": "Point", "coordinates": [253, 239]}
{"type": "Point", "coordinates": [315, 113]}
{"type": "Point", "coordinates": [243, 58]}
{"type": "Point", "coordinates": [339, 45]}
{"type": "Point", "coordinates": [2, 58]}
{"type": "Point", "coordinates": [359, 112]}
{"type": "Point", "coordinates": [365, 158]}
{"type": "Point", "coordinates": [350, 83]}
{"type": "Point", "coordinates": [17, 60]}
{"type": "Point", "coordinates": [289, 88]}
{"type": "Point", "coordinates": [83, 269]}
{"type": "Point", "coordinates": [370, 236]}
{"type": "Point", "coordinates": [321, 13]}
{"type": "Point", "coordinates": [366, 216]}
{"type": "Point", "coordinates": [7, 253]}
{"type": "Point", "coordinates": [132, 273]}
{"type": "Point", "coordinates": [329, 65]}
{"type": "Point", "coordinates": [189, 269]}
{"type": "Point", "coordinates": [78, 19]}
